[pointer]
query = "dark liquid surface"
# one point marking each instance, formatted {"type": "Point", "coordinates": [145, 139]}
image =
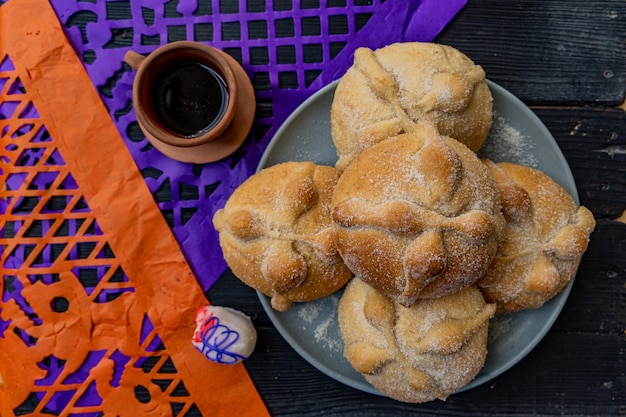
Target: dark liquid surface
{"type": "Point", "coordinates": [189, 98]}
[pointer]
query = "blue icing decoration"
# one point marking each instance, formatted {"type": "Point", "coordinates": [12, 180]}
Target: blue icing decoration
{"type": "Point", "coordinates": [216, 340]}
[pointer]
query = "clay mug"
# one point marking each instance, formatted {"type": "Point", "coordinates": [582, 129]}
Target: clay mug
{"type": "Point", "coordinates": [193, 102]}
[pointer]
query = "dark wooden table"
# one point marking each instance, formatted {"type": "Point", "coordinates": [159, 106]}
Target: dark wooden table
{"type": "Point", "coordinates": [567, 61]}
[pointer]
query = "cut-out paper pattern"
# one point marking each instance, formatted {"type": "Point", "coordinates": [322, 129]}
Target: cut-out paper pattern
{"type": "Point", "coordinates": [289, 48]}
{"type": "Point", "coordinates": [98, 301]}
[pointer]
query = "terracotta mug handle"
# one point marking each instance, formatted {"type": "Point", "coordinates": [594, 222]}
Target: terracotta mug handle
{"type": "Point", "coordinates": [134, 59]}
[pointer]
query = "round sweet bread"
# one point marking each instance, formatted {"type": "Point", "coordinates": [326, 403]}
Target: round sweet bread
{"type": "Point", "coordinates": [388, 89]}
{"type": "Point", "coordinates": [417, 216]}
{"type": "Point", "coordinates": [545, 237]}
{"type": "Point", "coordinates": [276, 233]}
{"type": "Point", "coordinates": [416, 354]}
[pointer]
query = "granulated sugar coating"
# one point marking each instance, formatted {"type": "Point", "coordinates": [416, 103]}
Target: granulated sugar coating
{"type": "Point", "coordinates": [506, 143]}
{"type": "Point", "coordinates": [277, 236]}
{"type": "Point", "coordinates": [388, 90]}
{"type": "Point", "coordinates": [545, 237]}
{"type": "Point", "coordinates": [415, 354]}
{"type": "Point", "coordinates": [417, 216]}
{"type": "Point", "coordinates": [309, 312]}
{"type": "Point", "coordinates": [320, 318]}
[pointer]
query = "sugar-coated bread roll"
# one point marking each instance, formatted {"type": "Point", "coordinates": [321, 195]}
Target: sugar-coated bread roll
{"type": "Point", "coordinates": [388, 89]}
{"type": "Point", "coordinates": [276, 233]}
{"type": "Point", "coordinates": [545, 237]}
{"type": "Point", "coordinates": [416, 354]}
{"type": "Point", "coordinates": [417, 216]}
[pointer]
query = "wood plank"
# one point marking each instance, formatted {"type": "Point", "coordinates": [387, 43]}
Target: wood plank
{"type": "Point", "coordinates": [552, 380]}
{"type": "Point", "coordinates": [547, 52]}
{"type": "Point", "coordinates": [597, 302]}
{"type": "Point", "coordinates": [593, 141]}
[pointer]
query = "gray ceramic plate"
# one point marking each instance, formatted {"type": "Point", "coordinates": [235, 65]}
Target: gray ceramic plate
{"type": "Point", "coordinates": [311, 328]}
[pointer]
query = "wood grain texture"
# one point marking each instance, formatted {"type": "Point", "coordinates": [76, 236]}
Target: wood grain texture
{"type": "Point", "coordinates": [547, 52]}
{"type": "Point", "coordinates": [593, 141]}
